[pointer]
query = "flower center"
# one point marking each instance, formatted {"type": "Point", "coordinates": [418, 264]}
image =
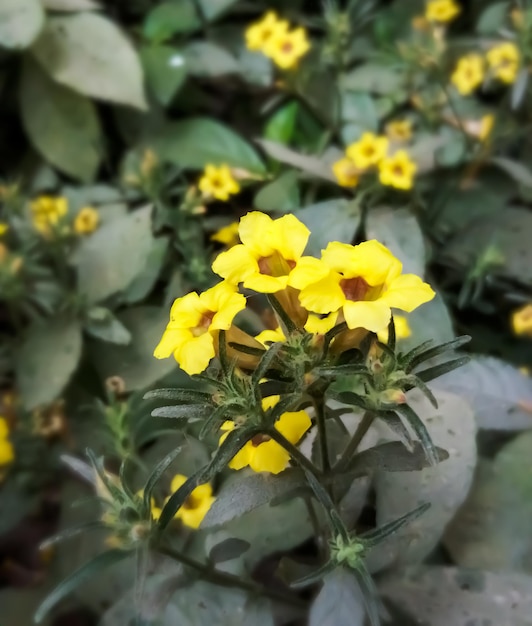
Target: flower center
{"type": "Point", "coordinates": [192, 502]}
{"type": "Point", "coordinates": [258, 439]}
{"type": "Point", "coordinates": [204, 323]}
{"type": "Point", "coordinates": [216, 182]}
{"type": "Point", "coordinates": [354, 288]}
{"type": "Point", "coordinates": [398, 170]}
{"type": "Point", "coordinates": [368, 151]}
{"type": "Point", "coordinates": [287, 47]}
{"type": "Point", "coordinates": [275, 265]}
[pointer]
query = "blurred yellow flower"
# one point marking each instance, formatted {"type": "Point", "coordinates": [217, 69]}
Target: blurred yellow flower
{"type": "Point", "coordinates": [86, 221]}
{"type": "Point", "coordinates": [368, 151]}
{"type": "Point", "coordinates": [194, 322]}
{"type": "Point", "coordinates": [346, 172]}
{"type": "Point", "coordinates": [522, 320]}
{"type": "Point", "coordinates": [398, 171]}
{"type": "Point", "coordinates": [402, 329]}
{"type": "Point", "coordinates": [3, 228]}
{"type": "Point", "coordinates": [442, 10]}
{"type": "Point", "coordinates": [399, 130]}
{"type": "Point", "coordinates": [7, 451]}
{"type": "Point", "coordinates": [286, 48]}
{"type": "Point", "coordinates": [262, 453]}
{"type": "Point", "coordinates": [486, 126]}
{"type": "Point", "coordinates": [227, 235]}
{"type": "Point", "coordinates": [196, 505]}
{"type": "Point", "coordinates": [469, 73]}
{"type": "Point", "coordinates": [47, 212]}
{"type": "Point", "coordinates": [504, 61]}
{"type": "Point", "coordinates": [259, 33]}
{"type": "Point", "coordinates": [218, 182]}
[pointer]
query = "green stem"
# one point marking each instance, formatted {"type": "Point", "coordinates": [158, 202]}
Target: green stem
{"type": "Point", "coordinates": [319, 406]}
{"type": "Point", "coordinates": [360, 432]}
{"type": "Point", "coordinates": [224, 579]}
{"type": "Point", "coordinates": [298, 457]}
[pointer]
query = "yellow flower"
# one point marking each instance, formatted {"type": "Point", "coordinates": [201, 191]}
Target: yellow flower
{"type": "Point", "coordinates": [319, 324]}
{"type": "Point", "coordinates": [486, 126]}
{"type": "Point", "coordinates": [7, 452]}
{"type": "Point", "coordinates": [402, 329]}
{"type": "Point", "coordinates": [86, 221]}
{"type": "Point", "coordinates": [270, 336]}
{"type": "Point", "coordinates": [262, 453]}
{"type": "Point", "coordinates": [441, 10]}
{"type": "Point", "coordinates": [286, 48]}
{"type": "Point", "coordinates": [259, 33]}
{"type": "Point", "coordinates": [47, 212]}
{"type": "Point", "coordinates": [522, 321]}
{"type": "Point", "coordinates": [197, 504]}
{"type": "Point", "coordinates": [369, 150]}
{"type": "Point", "coordinates": [398, 171]}
{"type": "Point", "coordinates": [269, 252]}
{"type": "Point", "coordinates": [504, 61]}
{"type": "Point", "coordinates": [218, 182]}
{"type": "Point", "coordinates": [366, 282]}
{"type": "Point", "coordinates": [469, 74]}
{"type": "Point", "coordinates": [228, 235]}
{"type": "Point", "coordinates": [346, 172]}
{"type": "Point", "coordinates": [3, 228]}
{"type": "Point", "coordinates": [194, 322]}
{"type": "Point", "coordinates": [399, 130]}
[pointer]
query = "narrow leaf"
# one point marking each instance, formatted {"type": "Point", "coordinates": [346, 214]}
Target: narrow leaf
{"type": "Point", "coordinates": [159, 470]}
{"type": "Point", "coordinates": [182, 411]}
{"type": "Point", "coordinates": [336, 524]}
{"type": "Point", "coordinates": [227, 550]}
{"type": "Point", "coordinates": [436, 351]}
{"type": "Point", "coordinates": [379, 534]}
{"type": "Point", "coordinates": [183, 395]}
{"type": "Point", "coordinates": [439, 370]}
{"type": "Point", "coordinates": [314, 576]}
{"type": "Point", "coordinates": [421, 431]}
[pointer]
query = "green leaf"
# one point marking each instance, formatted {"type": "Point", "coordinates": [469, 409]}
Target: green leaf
{"type": "Point", "coordinates": [17, 503]}
{"type": "Point", "coordinates": [204, 58]}
{"type": "Point", "coordinates": [374, 78]}
{"type": "Point", "coordinates": [61, 124]}
{"type": "Point", "coordinates": [157, 474]}
{"type": "Point", "coordinates": [183, 411]}
{"type": "Point", "coordinates": [445, 487]}
{"type": "Point", "coordinates": [228, 550]}
{"type": "Point", "coordinates": [432, 321]}
{"type": "Point", "coordinates": [493, 18]}
{"type": "Point", "coordinates": [135, 362]}
{"type": "Point", "coordinates": [519, 172]}
{"type": "Point", "coordinates": [87, 571]}
{"type": "Point", "coordinates": [46, 359]}
{"type": "Point", "coordinates": [184, 395]}
{"type": "Point", "coordinates": [90, 54]}
{"type": "Point", "coordinates": [519, 90]}
{"type": "Point", "coordinates": [143, 283]}
{"type": "Point", "coordinates": [108, 329]}
{"type": "Point", "coordinates": [281, 125]}
{"type": "Point", "coordinates": [165, 71]}
{"type": "Point", "coordinates": [310, 164]}
{"type": "Point", "coordinates": [359, 108]}
{"type": "Point", "coordinates": [109, 260]}
{"type": "Point", "coordinates": [20, 22]}
{"type": "Point", "coordinates": [340, 601]}
{"type": "Point", "coordinates": [195, 142]}
{"type": "Point", "coordinates": [70, 5]}
{"type": "Point", "coordinates": [391, 457]}
{"type": "Point", "coordinates": [281, 195]}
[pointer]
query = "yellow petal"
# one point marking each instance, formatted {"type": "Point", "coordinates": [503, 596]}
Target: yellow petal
{"type": "Point", "coordinates": [171, 341]}
{"type": "Point", "coordinates": [243, 457]}
{"type": "Point", "coordinates": [320, 325]}
{"type": "Point", "coordinates": [187, 311]}
{"type": "Point", "coordinates": [253, 230]}
{"type": "Point", "coordinates": [289, 236]}
{"type": "Point", "coordinates": [407, 292]}
{"type": "Point", "coordinates": [226, 301]}
{"type": "Point", "coordinates": [4, 428]}
{"type": "Point", "coordinates": [195, 355]}
{"type": "Point", "coordinates": [293, 425]}
{"type": "Point", "coordinates": [323, 296]}
{"type": "Point", "coordinates": [177, 481]}
{"type": "Point", "coordinates": [372, 315]}
{"type": "Point", "coordinates": [270, 336]}
{"type": "Point", "coordinates": [308, 270]}
{"type": "Point", "coordinates": [370, 260]}
{"type": "Point", "coordinates": [7, 452]}
{"type": "Point", "coordinates": [269, 457]}
{"type": "Point", "coordinates": [236, 264]}
{"type": "Point", "coordinates": [194, 516]}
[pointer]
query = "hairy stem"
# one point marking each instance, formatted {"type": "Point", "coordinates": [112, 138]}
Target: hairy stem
{"type": "Point", "coordinates": [352, 446]}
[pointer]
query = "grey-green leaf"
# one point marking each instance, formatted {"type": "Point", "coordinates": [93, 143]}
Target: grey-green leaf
{"type": "Point", "coordinates": [340, 601]}
{"type": "Point", "coordinates": [204, 58]}
{"type": "Point", "coordinates": [20, 22]}
{"type": "Point", "coordinates": [165, 70]}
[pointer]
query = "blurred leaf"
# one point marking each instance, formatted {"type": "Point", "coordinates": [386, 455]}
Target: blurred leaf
{"type": "Point", "coordinates": [359, 108]}
{"type": "Point", "coordinates": [110, 259]}
{"type": "Point", "coordinates": [281, 195]}
{"type": "Point", "coordinates": [108, 329]}
{"type": "Point", "coordinates": [310, 164]}
{"type": "Point", "coordinates": [195, 142]}
{"type": "Point", "coordinates": [255, 68]}
{"type": "Point", "coordinates": [391, 457]}
{"type": "Point", "coordinates": [20, 22]}
{"type": "Point", "coordinates": [165, 71]}
{"type": "Point", "coordinates": [280, 126]}
{"type": "Point", "coordinates": [204, 58]}
{"type": "Point", "coordinates": [70, 5]}
{"type": "Point", "coordinates": [90, 54]}
{"type": "Point", "coordinates": [493, 18]}
{"type": "Point", "coordinates": [135, 362]}
{"type": "Point", "coordinates": [441, 596]}
{"type": "Point", "coordinates": [61, 124]}
{"type": "Point", "coordinates": [339, 602]}
{"type": "Point", "coordinates": [144, 282]}
{"type": "Point", "coordinates": [453, 151]}
{"type": "Point", "coordinates": [16, 503]}
{"type": "Point", "coordinates": [445, 486]}
{"type": "Point", "coordinates": [519, 172]}
{"type": "Point", "coordinates": [19, 604]}
{"type": "Point", "coordinates": [228, 550]}
{"type": "Point", "coordinates": [519, 91]}
{"type": "Point", "coordinates": [373, 78]}
{"type": "Point", "coordinates": [424, 151]}
{"type": "Point", "coordinates": [399, 230]}
{"type": "Point", "coordinates": [46, 359]}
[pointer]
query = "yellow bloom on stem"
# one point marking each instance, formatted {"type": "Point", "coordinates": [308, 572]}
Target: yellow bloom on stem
{"type": "Point", "coordinates": [368, 151]}
{"type": "Point", "coordinates": [259, 33]}
{"type": "Point", "coordinates": [522, 320]}
{"type": "Point", "coordinates": [286, 48]}
{"type": "Point", "coordinates": [262, 453]}
{"type": "Point", "coordinates": [270, 336]}
{"type": "Point", "coordinates": [3, 228]}
{"type": "Point", "coordinates": [218, 182]}
{"type": "Point", "coordinates": [47, 212]}
{"type": "Point", "coordinates": [402, 329]}
{"type": "Point", "coordinates": [196, 506]}
{"type": "Point", "coordinates": [365, 282]}
{"type": "Point", "coordinates": [398, 171]}
{"type": "Point", "coordinates": [86, 221]}
{"type": "Point", "coordinates": [469, 74]}
{"type": "Point", "coordinates": [346, 172]}
{"type": "Point", "coordinates": [7, 451]}
{"type": "Point", "coordinates": [504, 61]}
{"type": "Point", "coordinates": [269, 252]}
{"type": "Point", "coordinates": [441, 10]}
{"type": "Point", "coordinates": [194, 322]}
{"type": "Point", "coordinates": [399, 130]}
{"type": "Point", "coordinates": [227, 235]}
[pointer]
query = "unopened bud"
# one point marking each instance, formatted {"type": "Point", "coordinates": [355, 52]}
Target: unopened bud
{"type": "Point", "coordinates": [116, 385]}
{"type": "Point", "coordinates": [393, 396]}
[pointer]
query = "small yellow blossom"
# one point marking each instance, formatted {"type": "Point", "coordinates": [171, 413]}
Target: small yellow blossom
{"type": "Point", "coordinates": [522, 321]}
{"type": "Point", "coordinates": [218, 182]}
{"type": "Point", "coordinates": [47, 212]}
{"type": "Point", "coordinates": [402, 329]}
{"type": "Point", "coordinates": [196, 506]}
{"type": "Point", "coordinates": [7, 451]}
{"type": "Point", "coordinates": [469, 74]}
{"type": "Point", "coordinates": [194, 323]}
{"type": "Point", "coordinates": [486, 126]}
{"type": "Point", "coordinates": [368, 151]}
{"type": "Point", "coordinates": [3, 228]}
{"type": "Point", "coordinates": [346, 172]}
{"type": "Point", "coordinates": [504, 61]}
{"type": "Point", "coordinates": [262, 453]}
{"type": "Point", "coordinates": [270, 336]}
{"type": "Point", "coordinates": [365, 282]}
{"type": "Point", "coordinates": [228, 235]}
{"type": "Point", "coordinates": [259, 33]}
{"type": "Point", "coordinates": [399, 130]}
{"type": "Point", "coordinates": [398, 171]}
{"type": "Point", "coordinates": [86, 221]}
{"type": "Point", "coordinates": [442, 10]}
{"type": "Point", "coordinates": [286, 48]}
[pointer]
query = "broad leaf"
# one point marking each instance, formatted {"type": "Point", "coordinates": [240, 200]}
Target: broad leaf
{"type": "Point", "coordinates": [20, 22]}
{"type": "Point", "coordinates": [519, 172]}
{"type": "Point", "coordinates": [310, 164]}
{"type": "Point", "coordinates": [281, 195]}
{"type": "Point", "coordinates": [339, 602]}
{"type": "Point", "coordinates": [373, 78]}
{"type": "Point", "coordinates": [165, 70]}
{"type": "Point", "coordinates": [492, 18]}
{"type": "Point", "coordinates": [204, 58]}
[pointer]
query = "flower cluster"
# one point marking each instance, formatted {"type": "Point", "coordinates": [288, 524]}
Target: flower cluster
{"type": "Point", "coordinates": [7, 451]}
{"type": "Point", "coordinates": [371, 152]}
{"type": "Point", "coordinates": [48, 215]}
{"type": "Point", "coordinates": [274, 38]}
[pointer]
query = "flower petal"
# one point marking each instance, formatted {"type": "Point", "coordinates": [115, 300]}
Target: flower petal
{"type": "Point", "coordinates": [172, 340]}
{"type": "Point", "coordinates": [243, 457]}
{"type": "Point", "coordinates": [236, 264]}
{"type": "Point", "coordinates": [269, 457]}
{"type": "Point", "coordinates": [253, 230]}
{"type": "Point", "coordinates": [371, 315]}
{"type": "Point", "coordinates": [323, 296]}
{"type": "Point", "coordinates": [407, 292]}
{"type": "Point", "coordinates": [293, 425]}
{"type": "Point", "coordinates": [289, 236]}
{"type": "Point", "coordinates": [308, 270]}
{"type": "Point", "coordinates": [195, 354]}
